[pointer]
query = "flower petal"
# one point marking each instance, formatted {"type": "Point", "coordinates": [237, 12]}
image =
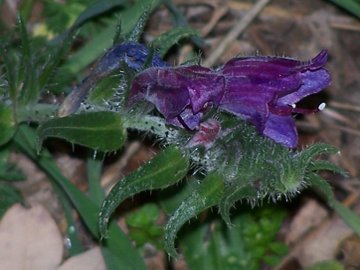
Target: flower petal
{"type": "Point", "coordinates": [187, 119]}
{"type": "Point", "coordinates": [163, 87]}
{"type": "Point", "coordinates": [282, 130]}
{"type": "Point", "coordinates": [312, 82]}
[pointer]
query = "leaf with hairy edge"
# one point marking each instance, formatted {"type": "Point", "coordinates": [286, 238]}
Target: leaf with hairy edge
{"type": "Point", "coordinates": [102, 131]}
{"type": "Point", "coordinates": [232, 195]}
{"type": "Point", "coordinates": [138, 29]}
{"type": "Point", "coordinates": [316, 149]}
{"type": "Point", "coordinates": [163, 170]}
{"type": "Point", "coordinates": [324, 165]}
{"type": "Point", "coordinates": [322, 186]}
{"type": "Point", "coordinates": [7, 124]}
{"type": "Point", "coordinates": [164, 42]}
{"type": "Point", "coordinates": [30, 90]}
{"type": "Point", "coordinates": [207, 194]}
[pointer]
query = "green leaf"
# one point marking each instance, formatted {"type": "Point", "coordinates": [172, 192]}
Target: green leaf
{"type": "Point", "coordinates": [92, 11]}
{"type": "Point", "coordinates": [136, 32]}
{"type": "Point", "coordinates": [7, 124]}
{"type": "Point", "coordinates": [9, 195]}
{"type": "Point", "coordinates": [321, 186]}
{"type": "Point", "coordinates": [180, 20]}
{"type": "Point", "coordinates": [96, 9]}
{"type": "Point", "coordinates": [232, 195]}
{"type": "Point", "coordinates": [142, 225]}
{"type": "Point", "coordinates": [118, 244]}
{"type": "Point", "coordinates": [164, 42]}
{"type": "Point", "coordinates": [324, 165]}
{"type": "Point", "coordinates": [172, 197]}
{"type": "Point", "coordinates": [143, 217]}
{"type": "Point", "coordinates": [75, 246]}
{"type": "Point", "coordinates": [94, 165]}
{"type": "Point", "coordinates": [196, 252]}
{"type": "Point", "coordinates": [12, 73]}
{"type": "Point", "coordinates": [102, 131]}
{"type": "Point", "coordinates": [207, 194]}
{"type": "Point", "coordinates": [30, 90]}
{"type": "Point", "coordinates": [349, 5]}
{"type": "Point", "coordinates": [95, 47]}
{"type": "Point", "coordinates": [165, 169]}
{"type": "Point", "coordinates": [8, 172]}
{"type": "Point", "coordinates": [315, 150]}
{"type": "Point", "coordinates": [351, 218]}
{"type": "Point", "coordinates": [54, 60]}
{"type": "Point", "coordinates": [211, 245]}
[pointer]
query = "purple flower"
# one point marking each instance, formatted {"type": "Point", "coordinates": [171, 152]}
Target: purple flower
{"type": "Point", "coordinates": [261, 90]}
{"type": "Point", "coordinates": [181, 94]}
{"type": "Point", "coordinates": [265, 90]}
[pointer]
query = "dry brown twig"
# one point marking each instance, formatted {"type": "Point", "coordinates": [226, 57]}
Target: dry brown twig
{"type": "Point", "coordinates": [235, 32]}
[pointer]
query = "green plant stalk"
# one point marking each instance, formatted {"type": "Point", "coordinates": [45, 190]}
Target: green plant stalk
{"type": "Point", "coordinates": [75, 247]}
{"type": "Point", "coordinates": [94, 165]}
{"type": "Point", "coordinates": [118, 243]}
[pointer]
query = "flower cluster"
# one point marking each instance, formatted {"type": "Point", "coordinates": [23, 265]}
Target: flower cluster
{"type": "Point", "coordinates": [261, 90]}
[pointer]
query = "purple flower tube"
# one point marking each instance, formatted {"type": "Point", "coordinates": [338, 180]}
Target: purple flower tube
{"type": "Point", "coordinates": [261, 90]}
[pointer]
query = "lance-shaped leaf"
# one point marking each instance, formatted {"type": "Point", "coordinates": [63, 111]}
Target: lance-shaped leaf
{"type": "Point", "coordinates": [232, 195]}
{"type": "Point", "coordinates": [102, 131]}
{"type": "Point", "coordinates": [315, 150]}
{"type": "Point", "coordinates": [164, 42]}
{"type": "Point", "coordinates": [324, 165]}
{"type": "Point", "coordinates": [164, 170]}
{"type": "Point", "coordinates": [7, 124]}
{"type": "Point", "coordinates": [207, 194]}
{"type": "Point", "coordinates": [323, 187]}
{"type": "Point", "coordinates": [350, 218]}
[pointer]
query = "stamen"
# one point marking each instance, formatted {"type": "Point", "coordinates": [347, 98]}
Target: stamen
{"type": "Point", "coordinates": [322, 106]}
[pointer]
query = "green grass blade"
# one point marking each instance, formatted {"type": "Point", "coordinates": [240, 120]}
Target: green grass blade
{"type": "Point", "coordinates": [94, 164]}
{"type": "Point", "coordinates": [96, 47]}
{"type": "Point", "coordinates": [54, 60]}
{"type": "Point", "coordinates": [96, 9]}
{"type": "Point", "coordinates": [7, 124]}
{"type": "Point", "coordinates": [74, 246]}
{"type": "Point", "coordinates": [349, 5]}
{"type": "Point", "coordinates": [119, 245]}
{"type": "Point", "coordinates": [351, 218]}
